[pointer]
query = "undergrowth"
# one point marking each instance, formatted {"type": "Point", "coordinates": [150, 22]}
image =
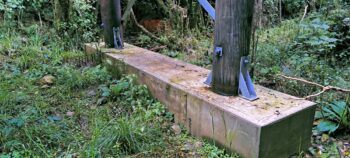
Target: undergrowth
{"type": "Point", "coordinates": [52, 107]}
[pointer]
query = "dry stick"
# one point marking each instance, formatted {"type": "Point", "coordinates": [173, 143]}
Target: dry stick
{"type": "Point", "coordinates": [127, 12]}
{"type": "Point", "coordinates": [280, 10]}
{"type": "Point", "coordinates": [40, 21]}
{"type": "Point", "coordinates": [324, 88]}
{"type": "Point", "coordinates": [141, 27]}
{"type": "Point", "coordinates": [157, 48]}
{"type": "Point", "coordinates": [305, 12]}
{"type": "Point", "coordinates": [149, 33]}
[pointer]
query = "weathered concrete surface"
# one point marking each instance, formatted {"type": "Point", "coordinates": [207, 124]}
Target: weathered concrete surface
{"type": "Point", "coordinates": [276, 125]}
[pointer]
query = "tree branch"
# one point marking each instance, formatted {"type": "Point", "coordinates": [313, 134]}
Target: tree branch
{"type": "Point", "coordinates": [324, 88]}
{"type": "Point", "coordinates": [305, 12]}
{"type": "Point", "coordinates": [141, 27]}
{"type": "Point", "coordinates": [149, 33]}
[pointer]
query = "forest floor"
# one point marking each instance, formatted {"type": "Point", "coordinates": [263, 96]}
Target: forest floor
{"type": "Point", "coordinates": [55, 103]}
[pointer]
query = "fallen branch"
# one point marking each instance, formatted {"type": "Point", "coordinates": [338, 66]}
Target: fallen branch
{"type": "Point", "coordinates": [305, 12]}
{"type": "Point", "coordinates": [157, 48]}
{"type": "Point", "coordinates": [141, 27]}
{"type": "Point", "coordinates": [127, 12]}
{"type": "Point", "coordinates": [168, 45]}
{"type": "Point", "coordinates": [324, 88]}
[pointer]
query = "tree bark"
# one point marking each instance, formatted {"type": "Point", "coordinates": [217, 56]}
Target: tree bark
{"type": "Point", "coordinates": [111, 17]}
{"type": "Point", "coordinates": [258, 13]}
{"type": "Point", "coordinates": [257, 23]}
{"type": "Point", "coordinates": [232, 32]}
{"type": "Point", "coordinates": [280, 9]}
{"type": "Point", "coordinates": [61, 12]}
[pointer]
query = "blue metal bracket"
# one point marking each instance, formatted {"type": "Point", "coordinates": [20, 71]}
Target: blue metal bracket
{"type": "Point", "coordinates": [246, 87]}
{"type": "Point", "coordinates": [207, 6]}
{"type": "Point", "coordinates": [209, 79]}
{"type": "Point", "coordinates": [218, 51]}
{"type": "Point", "coordinates": [118, 43]}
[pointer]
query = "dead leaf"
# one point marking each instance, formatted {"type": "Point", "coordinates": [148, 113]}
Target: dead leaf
{"type": "Point", "coordinates": [324, 138]}
{"type": "Point", "coordinates": [47, 80]}
{"type": "Point", "coordinates": [176, 128]}
{"type": "Point", "coordinates": [70, 113]}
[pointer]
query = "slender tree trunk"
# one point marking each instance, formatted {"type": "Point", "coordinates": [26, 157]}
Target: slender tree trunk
{"type": "Point", "coordinates": [232, 32]}
{"type": "Point", "coordinates": [280, 9]}
{"type": "Point", "coordinates": [258, 8]}
{"type": "Point", "coordinates": [61, 12]}
{"type": "Point", "coordinates": [191, 17]}
{"type": "Point", "coordinates": [111, 18]}
{"type": "Point", "coordinates": [256, 25]}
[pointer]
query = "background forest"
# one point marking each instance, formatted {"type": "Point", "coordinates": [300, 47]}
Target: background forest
{"type": "Point", "coordinates": [57, 102]}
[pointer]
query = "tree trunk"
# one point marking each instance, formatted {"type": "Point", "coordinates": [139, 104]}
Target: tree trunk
{"type": "Point", "coordinates": [111, 17]}
{"type": "Point", "coordinates": [258, 13]}
{"type": "Point", "coordinates": [257, 23]}
{"type": "Point", "coordinates": [191, 18]}
{"type": "Point", "coordinates": [280, 9]}
{"type": "Point", "coordinates": [232, 32]}
{"type": "Point", "coordinates": [61, 12]}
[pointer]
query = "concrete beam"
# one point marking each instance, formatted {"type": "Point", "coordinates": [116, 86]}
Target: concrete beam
{"type": "Point", "coordinates": [276, 125]}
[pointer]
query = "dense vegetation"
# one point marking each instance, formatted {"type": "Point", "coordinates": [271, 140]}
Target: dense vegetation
{"type": "Point", "coordinates": [57, 102]}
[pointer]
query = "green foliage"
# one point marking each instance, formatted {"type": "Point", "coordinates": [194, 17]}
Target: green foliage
{"type": "Point", "coordinates": [316, 38]}
{"type": "Point", "coordinates": [211, 151]}
{"type": "Point", "coordinates": [74, 21]}
{"type": "Point", "coordinates": [73, 78]}
{"type": "Point", "coordinates": [83, 113]}
{"type": "Point", "coordinates": [314, 50]}
{"type": "Point", "coordinates": [11, 9]}
{"type": "Point", "coordinates": [306, 50]}
{"type": "Point", "coordinates": [290, 9]}
{"type": "Point", "coordinates": [293, 6]}
{"type": "Point", "coordinates": [143, 39]}
{"type": "Point", "coordinates": [125, 136]}
{"type": "Point", "coordinates": [81, 24]}
{"type": "Point", "coordinates": [271, 11]}
{"type": "Point", "coordinates": [335, 115]}
{"type": "Point", "coordinates": [42, 129]}
{"type": "Point", "coordinates": [39, 9]}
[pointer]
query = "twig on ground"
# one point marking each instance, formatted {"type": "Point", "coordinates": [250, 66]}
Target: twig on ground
{"type": "Point", "coordinates": [141, 27]}
{"type": "Point", "coordinates": [169, 45]}
{"type": "Point", "coordinates": [139, 154]}
{"type": "Point", "coordinates": [157, 48]}
{"type": "Point", "coordinates": [305, 12]}
{"type": "Point", "coordinates": [40, 21]}
{"type": "Point", "coordinates": [324, 88]}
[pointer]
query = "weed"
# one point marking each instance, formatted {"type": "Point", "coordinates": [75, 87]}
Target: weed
{"type": "Point", "coordinates": [65, 117]}
{"type": "Point", "coordinates": [335, 115]}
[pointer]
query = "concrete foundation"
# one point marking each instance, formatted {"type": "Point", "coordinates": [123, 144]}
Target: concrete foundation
{"type": "Point", "coordinates": [276, 125]}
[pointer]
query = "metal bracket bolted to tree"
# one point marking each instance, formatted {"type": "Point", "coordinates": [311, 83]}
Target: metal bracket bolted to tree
{"type": "Point", "coordinates": [112, 23]}
{"type": "Point", "coordinates": [233, 26]}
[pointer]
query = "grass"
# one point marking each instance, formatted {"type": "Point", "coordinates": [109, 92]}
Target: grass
{"type": "Point", "coordinates": [81, 111]}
